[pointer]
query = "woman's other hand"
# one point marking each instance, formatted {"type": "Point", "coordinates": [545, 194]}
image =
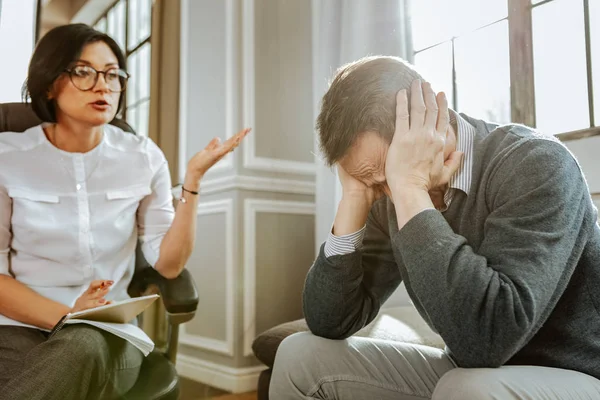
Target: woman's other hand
{"type": "Point", "coordinates": [93, 297]}
{"type": "Point", "coordinates": [213, 152]}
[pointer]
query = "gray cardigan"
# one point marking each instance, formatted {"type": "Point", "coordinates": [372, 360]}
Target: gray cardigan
{"type": "Point", "coordinates": [509, 274]}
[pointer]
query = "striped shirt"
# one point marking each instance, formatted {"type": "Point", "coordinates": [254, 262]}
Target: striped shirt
{"type": "Point", "coordinates": [346, 244]}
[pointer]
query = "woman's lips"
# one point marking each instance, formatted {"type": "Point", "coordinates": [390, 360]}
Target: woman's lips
{"type": "Point", "coordinates": [100, 106]}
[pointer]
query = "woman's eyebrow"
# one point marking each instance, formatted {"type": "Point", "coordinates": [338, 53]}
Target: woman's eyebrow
{"type": "Point", "coordinates": [89, 63]}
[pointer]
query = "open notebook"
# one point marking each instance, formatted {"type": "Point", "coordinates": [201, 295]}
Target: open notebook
{"type": "Point", "coordinates": [115, 318]}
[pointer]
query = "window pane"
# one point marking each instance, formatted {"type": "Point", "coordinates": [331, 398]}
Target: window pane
{"type": "Point", "coordinates": [134, 81]}
{"type": "Point", "coordinates": [119, 29]}
{"type": "Point", "coordinates": [595, 42]}
{"type": "Point", "coordinates": [132, 117]}
{"type": "Point", "coordinates": [483, 73]}
{"type": "Point", "coordinates": [111, 23]}
{"type": "Point", "coordinates": [133, 25]}
{"type": "Point", "coordinates": [17, 25]}
{"type": "Point", "coordinates": [145, 19]}
{"type": "Point", "coordinates": [435, 65]}
{"type": "Point", "coordinates": [101, 25]}
{"type": "Point", "coordinates": [434, 21]}
{"type": "Point", "coordinates": [144, 71]}
{"type": "Point", "coordinates": [143, 115]}
{"type": "Point", "coordinates": [561, 96]}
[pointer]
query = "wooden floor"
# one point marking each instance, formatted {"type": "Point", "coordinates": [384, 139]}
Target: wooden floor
{"type": "Point", "coordinates": [191, 390]}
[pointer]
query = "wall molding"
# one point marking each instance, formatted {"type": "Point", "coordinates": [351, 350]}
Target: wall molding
{"type": "Point", "coordinates": [251, 208]}
{"type": "Point", "coordinates": [251, 160]}
{"type": "Point", "coordinates": [201, 342]}
{"type": "Point", "coordinates": [259, 184]}
{"type": "Point", "coordinates": [234, 380]}
{"type": "Point", "coordinates": [231, 81]}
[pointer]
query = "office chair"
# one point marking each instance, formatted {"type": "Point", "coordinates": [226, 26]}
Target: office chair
{"type": "Point", "coordinates": [158, 378]}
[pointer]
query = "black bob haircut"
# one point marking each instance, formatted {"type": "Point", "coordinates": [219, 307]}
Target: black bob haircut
{"type": "Point", "coordinates": [56, 52]}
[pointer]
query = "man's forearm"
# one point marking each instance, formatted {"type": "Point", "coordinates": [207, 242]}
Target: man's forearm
{"type": "Point", "coordinates": [409, 202]}
{"type": "Point", "coordinates": [351, 215]}
{"type": "Point", "coordinates": [335, 303]}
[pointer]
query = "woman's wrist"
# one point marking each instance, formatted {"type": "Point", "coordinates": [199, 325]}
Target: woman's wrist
{"type": "Point", "coordinates": [192, 181]}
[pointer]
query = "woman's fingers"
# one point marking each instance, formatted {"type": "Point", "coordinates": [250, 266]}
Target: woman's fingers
{"type": "Point", "coordinates": [97, 294]}
{"type": "Point", "coordinates": [233, 142]}
{"type": "Point", "coordinates": [236, 139]}
{"type": "Point", "coordinates": [99, 284]}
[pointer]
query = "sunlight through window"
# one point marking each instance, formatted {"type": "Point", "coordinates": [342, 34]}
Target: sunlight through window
{"type": "Point", "coordinates": [17, 38]}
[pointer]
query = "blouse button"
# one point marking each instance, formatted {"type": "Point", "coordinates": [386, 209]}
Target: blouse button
{"type": "Point", "coordinates": [78, 187]}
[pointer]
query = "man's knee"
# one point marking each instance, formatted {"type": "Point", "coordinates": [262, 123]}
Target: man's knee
{"type": "Point", "coordinates": [467, 384]}
{"type": "Point", "coordinates": [298, 361]}
{"type": "Point", "coordinates": [298, 349]}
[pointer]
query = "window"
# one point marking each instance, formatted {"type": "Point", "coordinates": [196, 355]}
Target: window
{"type": "Point", "coordinates": [462, 47]}
{"type": "Point", "coordinates": [563, 97]}
{"type": "Point", "coordinates": [478, 52]}
{"type": "Point", "coordinates": [129, 23]}
{"type": "Point", "coordinates": [17, 38]}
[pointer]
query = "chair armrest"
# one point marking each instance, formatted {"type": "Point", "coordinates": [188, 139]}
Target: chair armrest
{"type": "Point", "coordinates": [179, 295]}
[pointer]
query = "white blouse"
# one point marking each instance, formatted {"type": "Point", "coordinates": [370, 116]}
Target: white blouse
{"type": "Point", "coordinates": [69, 218]}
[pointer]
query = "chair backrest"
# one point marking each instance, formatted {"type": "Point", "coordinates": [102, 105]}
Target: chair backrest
{"type": "Point", "coordinates": [18, 117]}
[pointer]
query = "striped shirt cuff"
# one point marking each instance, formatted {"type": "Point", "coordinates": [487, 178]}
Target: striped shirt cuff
{"type": "Point", "coordinates": [345, 244]}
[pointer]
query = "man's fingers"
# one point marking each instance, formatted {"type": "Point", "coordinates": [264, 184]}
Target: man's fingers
{"type": "Point", "coordinates": [452, 165]}
{"type": "Point", "coordinates": [417, 105]}
{"type": "Point", "coordinates": [431, 105]}
{"type": "Point", "coordinates": [402, 116]}
{"type": "Point", "coordinates": [443, 117]}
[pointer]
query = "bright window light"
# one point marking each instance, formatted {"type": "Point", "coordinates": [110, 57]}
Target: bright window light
{"type": "Point", "coordinates": [17, 26]}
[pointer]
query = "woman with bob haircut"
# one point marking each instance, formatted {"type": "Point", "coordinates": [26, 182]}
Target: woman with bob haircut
{"type": "Point", "coordinates": [76, 195]}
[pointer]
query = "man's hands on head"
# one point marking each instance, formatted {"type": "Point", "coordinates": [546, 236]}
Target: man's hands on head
{"type": "Point", "coordinates": [415, 163]}
{"type": "Point", "coordinates": [415, 159]}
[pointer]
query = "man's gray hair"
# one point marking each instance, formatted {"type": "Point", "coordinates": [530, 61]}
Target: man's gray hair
{"type": "Point", "coordinates": [361, 98]}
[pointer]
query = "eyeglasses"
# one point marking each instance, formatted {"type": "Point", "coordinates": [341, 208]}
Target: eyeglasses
{"type": "Point", "coordinates": [85, 78]}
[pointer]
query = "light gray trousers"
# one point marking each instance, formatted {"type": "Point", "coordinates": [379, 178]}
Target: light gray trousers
{"type": "Point", "coordinates": [309, 367]}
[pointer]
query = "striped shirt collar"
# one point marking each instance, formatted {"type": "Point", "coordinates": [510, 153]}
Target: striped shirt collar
{"type": "Point", "coordinates": [465, 137]}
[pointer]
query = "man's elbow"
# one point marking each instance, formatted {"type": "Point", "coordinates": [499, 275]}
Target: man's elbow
{"type": "Point", "coordinates": [482, 358]}
{"type": "Point", "coordinates": [325, 330]}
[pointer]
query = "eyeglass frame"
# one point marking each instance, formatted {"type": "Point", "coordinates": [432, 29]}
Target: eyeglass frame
{"type": "Point", "coordinates": [70, 72]}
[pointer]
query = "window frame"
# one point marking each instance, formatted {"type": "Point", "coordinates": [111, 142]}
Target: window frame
{"type": "Point", "coordinates": [127, 51]}
{"type": "Point", "coordinates": [521, 65]}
